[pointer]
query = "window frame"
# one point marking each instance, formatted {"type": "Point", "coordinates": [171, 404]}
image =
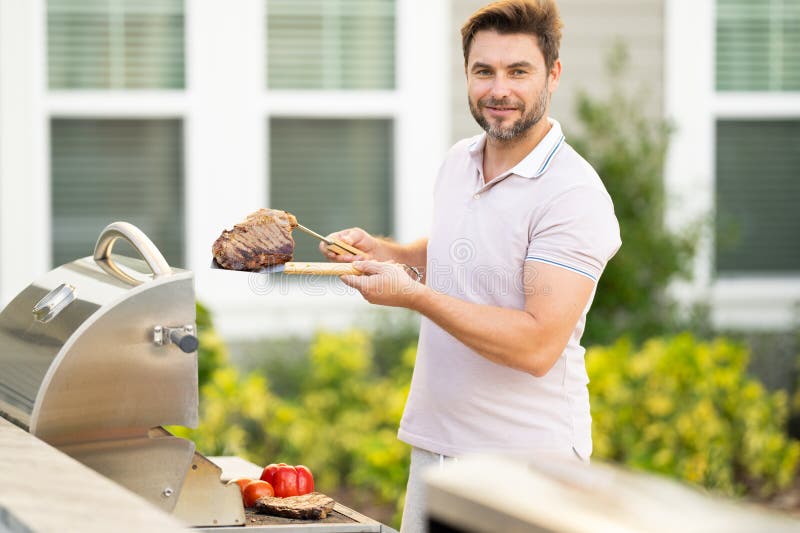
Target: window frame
{"type": "Point", "coordinates": [692, 102]}
{"type": "Point", "coordinates": [225, 108]}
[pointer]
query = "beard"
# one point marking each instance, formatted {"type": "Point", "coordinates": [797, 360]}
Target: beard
{"type": "Point", "coordinates": [519, 127]}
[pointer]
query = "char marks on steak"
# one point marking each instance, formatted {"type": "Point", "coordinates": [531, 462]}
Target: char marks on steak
{"type": "Point", "coordinates": [314, 506]}
{"type": "Point", "coordinates": [263, 239]}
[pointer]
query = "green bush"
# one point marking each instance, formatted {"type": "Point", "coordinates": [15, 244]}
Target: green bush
{"type": "Point", "coordinates": [340, 418]}
{"type": "Point", "coordinates": [232, 407]}
{"type": "Point", "coordinates": [627, 148]}
{"type": "Point", "coordinates": [687, 409]}
{"type": "Point", "coordinates": [346, 419]}
{"type": "Point", "coordinates": [212, 352]}
{"type": "Point", "coordinates": [675, 406]}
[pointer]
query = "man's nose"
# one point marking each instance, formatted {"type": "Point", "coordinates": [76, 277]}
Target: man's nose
{"type": "Point", "coordinates": [501, 87]}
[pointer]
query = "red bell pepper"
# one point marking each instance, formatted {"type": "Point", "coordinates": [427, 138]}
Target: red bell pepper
{"type": "Point", "coordinates": [285, 481]}
{"type": "Point", "coordinates": [269, 473]}
{"type": "Point", "coordinates": [305, 480]}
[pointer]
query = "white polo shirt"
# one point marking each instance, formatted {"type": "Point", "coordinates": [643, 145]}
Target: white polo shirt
{"type": "Point", "coordinates": [551, 208]}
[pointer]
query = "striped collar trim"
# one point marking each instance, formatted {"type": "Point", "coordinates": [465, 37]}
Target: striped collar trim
{"type": "Point", "coordinates": [550, 156]}
{"type": "Point", "coordinates": [538, 161]}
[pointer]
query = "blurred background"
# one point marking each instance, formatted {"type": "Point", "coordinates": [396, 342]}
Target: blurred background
{"type": "Point", "coordinates": [184, 116]}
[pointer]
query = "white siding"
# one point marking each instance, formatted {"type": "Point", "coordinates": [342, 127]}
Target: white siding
{"type": "Point", "coordinates": [590, 29]}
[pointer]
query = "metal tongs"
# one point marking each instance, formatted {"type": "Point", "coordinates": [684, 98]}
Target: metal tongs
{"type": "Point", "coordinates": [337, 246]}
{"type": "Point", "coordinates": [340, 247]}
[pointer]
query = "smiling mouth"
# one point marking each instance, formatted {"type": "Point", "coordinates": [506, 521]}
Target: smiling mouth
{"type": "Point", "coordinates": [501, 109]}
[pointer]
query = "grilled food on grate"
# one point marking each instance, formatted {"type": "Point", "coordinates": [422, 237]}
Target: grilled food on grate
{"type": "Point", "coordinates": [314, 506]}
{"type": "Point", "coordinates": [263, 239]}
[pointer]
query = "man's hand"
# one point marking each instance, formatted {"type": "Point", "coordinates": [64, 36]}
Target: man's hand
{"type": "Point", "coordinates": [356, 237]}
{"type": "Point", "coordinates": [377, 249]}
{"type": "Point", "coordinates": [385, 283]}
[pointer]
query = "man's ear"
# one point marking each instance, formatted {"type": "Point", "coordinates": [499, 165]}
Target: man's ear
{"type": "Point", "coordinates": [555, 75]}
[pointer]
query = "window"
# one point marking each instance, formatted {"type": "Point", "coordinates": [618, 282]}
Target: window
{"type": "Point", "coordinates": [758, 45]}
{"type": "Point", "coordinates": [757, 194]}
{"type": "Point", "coordinates": [115, 44]}
{"type": "Point", "coordinates": [332, 174]}
{"type": "Point", "coordinates": [733, 95]}
{"type": "Point", "coordinates": [335, 168]}
{"type": "Point", "coordinates": [108, 170]}
{"type": "Point", "coordinates": [757, 161]}
{"type": "Point", "coordinates": [330, 44]}
{"type": "Point", "coordinates": [103, 168]}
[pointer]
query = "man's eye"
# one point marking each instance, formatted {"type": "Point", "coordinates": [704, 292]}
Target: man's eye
{"type": "Point", "coordinates": [483, 72]}
{"type": "Point", "coordinates": [518, 72]}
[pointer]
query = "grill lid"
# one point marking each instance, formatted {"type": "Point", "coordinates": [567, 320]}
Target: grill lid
{"type": "Point", "coordinates": [77, 348]}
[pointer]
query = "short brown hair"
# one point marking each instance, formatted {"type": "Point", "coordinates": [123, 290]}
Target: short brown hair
{"type": "Point", "coordinates": [534, 17]}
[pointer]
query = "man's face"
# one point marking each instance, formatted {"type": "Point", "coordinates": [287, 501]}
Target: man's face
{"type": "Point", "coordinates": [508, 83]}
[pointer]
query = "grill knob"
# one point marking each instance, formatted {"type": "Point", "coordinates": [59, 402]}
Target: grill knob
{"type": "Point", "coordinates": [185, 340]}
{"type": "Point", "coordinates": [183, 337]}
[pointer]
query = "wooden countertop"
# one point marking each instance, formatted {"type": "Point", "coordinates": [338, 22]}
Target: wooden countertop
{"type": "Point", "coordinates": [42, 489]}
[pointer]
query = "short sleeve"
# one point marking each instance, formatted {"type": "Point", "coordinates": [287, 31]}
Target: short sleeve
{"type": "Point", "coordinates": [578, 231]}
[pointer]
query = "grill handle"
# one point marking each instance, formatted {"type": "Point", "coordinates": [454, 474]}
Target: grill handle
{"type": "Point", "coordinates": [140, 242]}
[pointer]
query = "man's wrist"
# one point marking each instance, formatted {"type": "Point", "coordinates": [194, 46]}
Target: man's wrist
{"type": "Point", "coordinates": [419, 298]}
{"type": "Point", "coordinates": [386, 250]}
{"type": "Point", "coordinates": [382, 251]}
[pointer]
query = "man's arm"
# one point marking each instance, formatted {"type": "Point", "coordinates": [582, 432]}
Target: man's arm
{"type": "Point", "coordinates": [414, 253]}
{"type": "Point", "coordinates": [530, 340]}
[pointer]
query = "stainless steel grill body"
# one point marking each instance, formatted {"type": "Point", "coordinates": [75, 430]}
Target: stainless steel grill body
{"type": "Point", "coordinates": [94, 366]}
{"type": "Point", "coordinates": [97, 355]}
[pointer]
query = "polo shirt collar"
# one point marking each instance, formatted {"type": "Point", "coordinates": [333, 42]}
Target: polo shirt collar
{"type": "Point", "coordinates": [536, 162]}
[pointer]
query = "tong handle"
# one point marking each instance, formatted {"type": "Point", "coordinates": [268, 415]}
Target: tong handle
{"type": "Point", "coordinates": [336, 246]}
{"type": "Point", "coordinates": [320, 269]}
{"type": "Point", "coordinates": [340, 248]}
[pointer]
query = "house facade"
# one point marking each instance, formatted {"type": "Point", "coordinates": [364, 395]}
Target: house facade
{"type": "Point", "coordinates": [183, 116]}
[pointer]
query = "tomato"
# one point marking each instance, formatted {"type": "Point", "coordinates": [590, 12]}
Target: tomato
{"type": "Point", "coordinates": [241, 481]}
{"type": "Point", "coordinates": [269, 472]}
{"type": "Point", "coordinates": [305, 480]}
{"type": "Point", "coordinates": [255, 490]}
{"type": "Point", "coordinates": [285, 481]}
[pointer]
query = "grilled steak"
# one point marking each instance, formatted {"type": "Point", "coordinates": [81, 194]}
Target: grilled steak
{"type": "Point", "coordinates": [315, 506]}
{"type": "Point", "coordinates": [263, 239]}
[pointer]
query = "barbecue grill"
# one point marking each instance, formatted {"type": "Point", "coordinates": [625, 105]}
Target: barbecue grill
{"type": "Point", "coordinates": [96, 357]}
{"type": "Point", "coordinates": [100, 353]}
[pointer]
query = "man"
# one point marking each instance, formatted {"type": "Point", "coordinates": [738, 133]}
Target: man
{"type": "Point", "coordinates": [522, 230]}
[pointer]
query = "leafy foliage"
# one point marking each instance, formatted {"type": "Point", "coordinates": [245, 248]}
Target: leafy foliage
{"type": "Point", "coordinates": [212, 352]}
{"type": "Point", "coordinates": [232, 407]}
{"type": "Point", "coordinates": [687, 409]}
{"type": "Point", "coordinates": [627, 149]}
{"type": "Point", "coordinates": [675, 406]}
{"type": "Point", "coordinates": [340, 418]}
{"type": "Point", "coordinates": [346, 419]}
